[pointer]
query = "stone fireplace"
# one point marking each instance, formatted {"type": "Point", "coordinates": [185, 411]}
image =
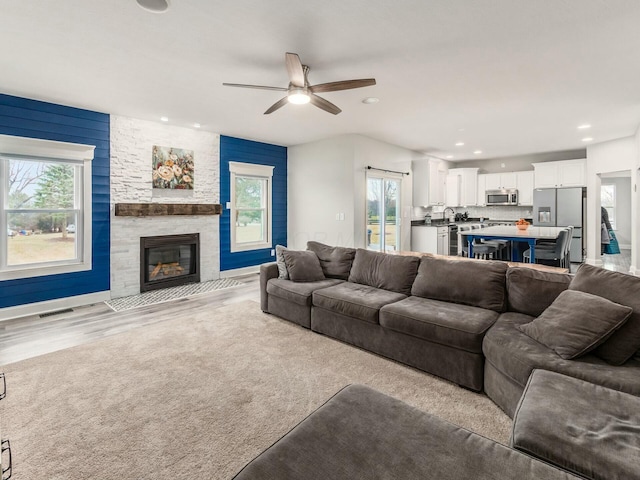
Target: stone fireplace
{"type": "Point", "coordinates": [140, 211]}
{"type": "Point", "coordinates": [169, 261]}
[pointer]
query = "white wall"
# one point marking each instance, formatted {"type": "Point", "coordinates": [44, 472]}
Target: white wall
{"type": "Point", "coordinates": [131, 165]}
{"type": "Point", "coordinates": [613, 156]}
{"type": "Point", "coordinates": [328, 178]}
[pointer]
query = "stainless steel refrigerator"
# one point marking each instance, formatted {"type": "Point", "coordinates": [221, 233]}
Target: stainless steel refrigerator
{"type": "Point", "coordinates": [561, 207]}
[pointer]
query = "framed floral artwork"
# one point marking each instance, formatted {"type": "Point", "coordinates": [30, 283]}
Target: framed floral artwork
{"type": "Point", "coordinates": [172, 168]}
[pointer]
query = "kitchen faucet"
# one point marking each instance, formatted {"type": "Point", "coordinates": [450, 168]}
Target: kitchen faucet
{"type": "Point", "coordinates": [444, 212]}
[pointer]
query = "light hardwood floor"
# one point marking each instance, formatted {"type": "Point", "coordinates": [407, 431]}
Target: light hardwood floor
{"type": "Point", "coordinates": [31, 336]}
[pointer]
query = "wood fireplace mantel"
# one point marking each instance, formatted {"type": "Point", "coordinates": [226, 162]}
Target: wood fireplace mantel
{"type": "Point", "coordinates": [162, 209]}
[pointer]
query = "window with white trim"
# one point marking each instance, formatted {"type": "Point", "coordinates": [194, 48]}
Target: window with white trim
{"type": "Point", "coordinates": [608, 201]}
{"type": "Point", "coordinates": [45, 207]}
{"type": "Point", "coordinates": [251, 191]}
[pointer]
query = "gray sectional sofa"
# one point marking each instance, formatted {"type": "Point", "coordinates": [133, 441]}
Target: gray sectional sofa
{"type": "Point", "coordinates": [480, 324]}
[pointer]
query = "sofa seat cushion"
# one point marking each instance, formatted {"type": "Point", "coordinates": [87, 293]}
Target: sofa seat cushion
{"type": "Point", "coordinates": [582, 427]}
{"type": "Point", "coordinates": [297, 292]}
{"type": "Point", "coordinates": [364, 434]}
{"type": "Point", "coordinates": [516, 355]}
{"type": "Point", "coordinates": [451, 324]}
{"type": "Point", "coordinates": [355, 300]}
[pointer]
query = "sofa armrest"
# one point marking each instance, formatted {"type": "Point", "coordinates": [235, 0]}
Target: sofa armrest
{"type": "Point", "coordinates": [267, 272]}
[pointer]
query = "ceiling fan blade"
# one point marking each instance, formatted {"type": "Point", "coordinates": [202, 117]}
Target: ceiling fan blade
{"type": "Point", "coordinates": [325, 105]}
{"type": "Point", "coordinates": [295, 70]}
{"type": "Point", "coordinates": [279, 104]}
{"type": "Point", "coordinates": [342, 85]}
{"type": "Point", "coordinates": [261, 87]}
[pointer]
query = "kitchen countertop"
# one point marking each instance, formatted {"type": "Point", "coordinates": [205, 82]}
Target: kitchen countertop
{"type": "Point", "coordinates": [443, 223]}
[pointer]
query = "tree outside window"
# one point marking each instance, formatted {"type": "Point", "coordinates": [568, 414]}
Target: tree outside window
{"type": "Point", "coordinates": [41, 212]}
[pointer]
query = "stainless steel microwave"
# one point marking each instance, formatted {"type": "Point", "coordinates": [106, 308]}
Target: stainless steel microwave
{"type": "Point", "coordinates": [502, 197]}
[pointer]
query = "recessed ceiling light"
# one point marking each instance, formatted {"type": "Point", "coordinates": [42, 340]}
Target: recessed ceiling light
{"type": "Point", "coordinates": [449, 157]}
{"type": "Point", "coordinates": [155, 6]}
{"type": "Point", "coordinates": [164, 119]}
{"type": "Point", "coordinates": [370, 100]}
{"type": "Point", "coordinates": [587, 139]}
{"type": "Point", "coordinates": [584, 127]}
{"type": "Point", "coordinates": [196, 125]}
{"type": "Point", "coordinates": [459, 144]}
{"type": "Point", "coordinates": [461, 129]}
{"type": "Point", "coordinates": [477, 152]}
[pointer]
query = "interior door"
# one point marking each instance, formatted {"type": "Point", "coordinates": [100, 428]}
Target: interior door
{"type": "Point", "coordinates": [383, 213]}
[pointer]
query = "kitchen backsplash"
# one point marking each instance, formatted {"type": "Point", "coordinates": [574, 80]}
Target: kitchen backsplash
{"type": "Point", "coordinates": [492, 213]}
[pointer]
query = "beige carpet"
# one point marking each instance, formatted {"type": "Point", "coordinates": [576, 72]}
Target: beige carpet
{"type": "Point", "coordinates": [196, 398]}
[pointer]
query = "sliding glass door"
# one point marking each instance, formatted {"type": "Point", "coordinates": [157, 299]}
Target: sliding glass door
{"type": "Point", "coordinates": [383, 213]}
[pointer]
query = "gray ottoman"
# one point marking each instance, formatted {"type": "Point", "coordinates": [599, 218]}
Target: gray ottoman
{"type": "Point", "coordinates": [585, 428]}
{"type": "Point", "coordinates": [363, 434]}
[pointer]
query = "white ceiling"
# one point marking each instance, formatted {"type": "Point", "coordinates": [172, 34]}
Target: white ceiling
{"type": "Point", "coordinates": [508, 77]}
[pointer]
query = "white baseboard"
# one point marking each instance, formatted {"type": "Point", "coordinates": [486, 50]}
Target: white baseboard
{"type": "Point", "coordinates": [625, 246]}
{"type": "Point", "coordinates": [240, 271]}
{"type": "Point", "coordinates": [53, 305]}
{"type": "Point", "coordinates": [594, 261]}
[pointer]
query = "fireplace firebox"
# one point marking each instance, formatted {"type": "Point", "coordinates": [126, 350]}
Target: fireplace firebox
{"type": "Point", "coordinates": [169, 261]}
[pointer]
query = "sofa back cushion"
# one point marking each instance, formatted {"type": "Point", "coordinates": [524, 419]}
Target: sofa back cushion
{"type": "Point", "coordinates": [479, 283]}
{"type": "Point", "coordinates": [335, 261]}
{"type": "Point", "coordinates": [395, 273]}
{"type": "Point", "coordinates": [531, 291]}
{"type": "Point", "coordinates": [620, 288]}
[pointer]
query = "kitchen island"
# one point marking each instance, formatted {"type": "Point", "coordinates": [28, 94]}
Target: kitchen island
{"type": "Point", "coordinates": [512, 234]}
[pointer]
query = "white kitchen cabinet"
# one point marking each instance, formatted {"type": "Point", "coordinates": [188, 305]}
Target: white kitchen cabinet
{"type": "Point", "coordinates": [499, 181]}
{"type": "Point", "coordinates": [467, 185]}
{"type": "Point", "coordinates": [482, 187]}
{"type": "Point", "coordinates": [452, 197]}
{"type": "Point", "coordinates": [424, 239]}
{"type": "Point", "coordinates": [427, 239]}
{"type": "Point", "coordinates": [566, 173]}
{"type": "Point", "coordinates": [429, 179]}
{"type": "Point", "coordinates": [443, 241]}
{"type": "Point", "coordinates": [524, 184]}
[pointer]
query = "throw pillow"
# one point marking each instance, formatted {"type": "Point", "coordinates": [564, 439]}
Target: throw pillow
{"type": "Point", "coordinates": [303, 266]}
{"type": "Point", "coordinates": [620, 288]}
{"type": "Point", "coordinates": [282, 267]}
{"type": "Point", "coordinates": [335, 261]}
{"type": "Point", "coordinates": [576, 322]}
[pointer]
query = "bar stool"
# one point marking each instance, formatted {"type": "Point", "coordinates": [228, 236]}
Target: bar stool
{"type": "Point", "coordinates": [481, 250]}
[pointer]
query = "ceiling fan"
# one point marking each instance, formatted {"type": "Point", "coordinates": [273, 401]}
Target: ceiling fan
{"type": "Point", "coordinates": [299, 91]}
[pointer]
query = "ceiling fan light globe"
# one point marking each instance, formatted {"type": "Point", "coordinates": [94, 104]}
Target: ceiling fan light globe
{"type": "Point", "coordinates": [298, 96]}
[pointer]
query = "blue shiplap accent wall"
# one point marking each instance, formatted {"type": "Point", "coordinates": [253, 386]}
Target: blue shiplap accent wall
{"type": "Point", "coordinates": [239, 150]}
{"type": "Point", "coordinates": [31, 118]}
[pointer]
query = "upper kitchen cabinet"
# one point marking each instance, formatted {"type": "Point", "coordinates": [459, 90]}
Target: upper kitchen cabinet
{"type": "Point", "coordinates": [429, 179]}
{"type": "Point", "coordinates": [566, 173]}
{"type": "Point", "coordinates": [482, 187]}
{"type": "Point", "coordinates": [499, 181]}
{"type": "Point", "coordinates": [465, 191]}
{"type": "Point", "coordinates": [524, 183]}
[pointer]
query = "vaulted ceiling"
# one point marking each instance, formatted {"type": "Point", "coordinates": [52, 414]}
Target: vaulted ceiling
{"type": "Point", "coordinates": [507, 77]}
